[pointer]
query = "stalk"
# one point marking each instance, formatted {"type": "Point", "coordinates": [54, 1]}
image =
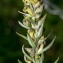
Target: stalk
{"type": "Point", "coordinates": [34, 23]}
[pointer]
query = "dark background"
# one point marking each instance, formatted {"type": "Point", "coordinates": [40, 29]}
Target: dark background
{"type": "Point", "coordinates": [11, 43]}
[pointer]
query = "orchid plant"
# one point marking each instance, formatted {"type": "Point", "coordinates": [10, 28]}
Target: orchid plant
{"type": "Point", "coordinates": [34, 22]}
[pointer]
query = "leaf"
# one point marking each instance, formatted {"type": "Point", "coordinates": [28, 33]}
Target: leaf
{"type": "Point", "coordinates": [23, 25]}
{"type": "Point", "coordinates": [42, 58]}
{"type": "Point", "coordinates": [22, 36]}
{"type": "Point", "coordinates": [41, 21]}
{"type": "Point", "coordinates": [19, 61]}
{"type": "Point", "coordinates": [26, 54]}
{"type": "Point", "coordinates": [40, 27]}
{"type": "Point", "coordinates": [57, 60]}
{"type": "Point", "coordinates": [31, 41]}
{"type": "Point", "coordinates": [46, 48]}
{"type": "Point", "coordinates": [42, 39]}
{"type": "Point", "coordinates": [26, 60]}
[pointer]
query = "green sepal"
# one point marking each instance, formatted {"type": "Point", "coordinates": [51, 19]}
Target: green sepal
{"type": "Point", "coordinates": [21, 36]}
{"type": "Point", "coordinates": [19, 61]}
{"type": "Point", "coordinates": [31, 42]}
{"type": "Point", "coordinates": [23, 25]}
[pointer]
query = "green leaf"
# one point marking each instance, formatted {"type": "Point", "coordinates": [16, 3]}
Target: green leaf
{"type": "Point", "coordinates": [42, 58]}
{"type": "Point", "coordinates": [23, 25]}
{"type": "Point", "coordinates": [46, 48]}
{"type": "Point", "coordinates": [40, 27]}
{"type": "Point", "coordinates": [41, 21]}
{"type": "Point", "coordinates": [28, 57]}
{"type": "Point", "coordinates": [42, 40]}
{"type": "Point", "coordinates": [31, 41]}
{"type": "Point", "coordinates": [19, 61]}
{"type": "Point", "coordinates": [22, 36]}
{"type": "Point", "coordinates": [57, 60]}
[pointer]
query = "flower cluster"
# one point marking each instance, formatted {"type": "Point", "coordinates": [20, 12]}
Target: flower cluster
{"type": "Point", "coordinates": [34, 24]}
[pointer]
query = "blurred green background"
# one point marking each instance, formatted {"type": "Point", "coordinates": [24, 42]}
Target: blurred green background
{"type": "Point", "coordinates": [11, 43]}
